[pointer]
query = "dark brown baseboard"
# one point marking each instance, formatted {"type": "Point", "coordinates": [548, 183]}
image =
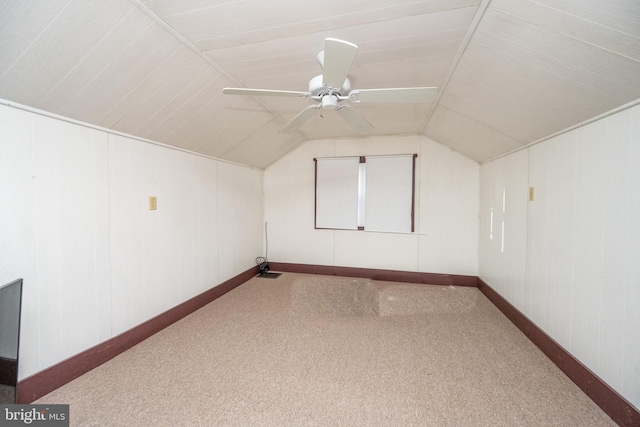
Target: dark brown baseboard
{"type": "Point", "coordinates": [41, 383]}
{"type": "Point", "coordinates": [616, 406]}
{"type": "Point", "coordinates": [376, 274]}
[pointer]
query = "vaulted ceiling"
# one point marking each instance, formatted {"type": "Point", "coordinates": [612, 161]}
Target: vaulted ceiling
{"type": "Point", "coordinates": [509, 72]}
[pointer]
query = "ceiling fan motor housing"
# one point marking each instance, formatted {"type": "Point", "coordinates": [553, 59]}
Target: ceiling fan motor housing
{"type": "Point", "coordinates": [317, 88]}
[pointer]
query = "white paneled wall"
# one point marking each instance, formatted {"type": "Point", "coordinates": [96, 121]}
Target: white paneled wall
{"type": "Point", "coordinates": [173, 248]}
{"type": "Point", "coordinates": [503, 225]}
{"type": "Point", "coordinates": [54, 233]}
{"type": "Point", "coordinates": [578, 275]}
{"type": "Point", "coordinates": [447, 194]}
{"type": "Point", "coordinates": [448, 214]}
{"type": "Point", "coordinates": [239, 218]}
{"type": "Point", "coordinates": [75, 224]}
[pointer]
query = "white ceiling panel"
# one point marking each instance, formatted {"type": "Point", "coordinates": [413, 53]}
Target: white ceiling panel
{"type": "Point", "coordinates": [188, 103]}
{"type": "Point", "coordinates": [509, 72]}
{"type": "Point", "coordinates": [399, 119]}
{"type": "Point", "coordinates": [404, 52]}
{"type": "Point", "coordinates": [137, 61]}
{"type": "Point", "coordinates": [588, 64]}
{"type": "Point", "coordinates": [212, 129]}
{"type": "Point", "coordinates": [261, 148]}
{"type": "Point", "coordinates": [21, 23]}
{"type": "Point", "coordinates": [245, 22]}
{"type": "Point", "coordinates": [526, 81]}
{"type": "Point", "coordinates": [159, 88]}
{"type": "Point", "coordinates": [396, 119]}
{"type": "Point", "coordinates": [50, 57]}
{"type": "Point", "coordinates": [165, 8]}
{"type": "Point", "coordinates": [614, 26]}
{"type": "Point", "coordinates": [467, 136]}
{"type": "Point", "coordinates": [620, 15]}
{"type": "Point", "coordinates": [172, 110]}
{"type": "Point", "coordinates": [56, 96]}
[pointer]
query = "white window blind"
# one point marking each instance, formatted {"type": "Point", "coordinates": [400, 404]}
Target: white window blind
{"type": "Point", "coordinates": [337, 193]}
{"type": "Point", "coordinates": [389, 194]}
{"type": "Point", "coordinates": [374, 193]}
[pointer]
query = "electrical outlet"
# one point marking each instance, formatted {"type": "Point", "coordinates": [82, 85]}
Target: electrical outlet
{"type": "Point", "coordinates": [153, 203]}
{"type": "Point", "coordinates": [531, 194]}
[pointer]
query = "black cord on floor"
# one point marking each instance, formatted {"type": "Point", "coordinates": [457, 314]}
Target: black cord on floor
{"type": "Point", "coordinates": [262, 261]}
{"type": "Point", "coordinates": [263, 265]}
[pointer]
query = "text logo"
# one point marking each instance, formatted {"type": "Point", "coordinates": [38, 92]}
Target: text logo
{"type": "Point", "coordinates": [34, 415]}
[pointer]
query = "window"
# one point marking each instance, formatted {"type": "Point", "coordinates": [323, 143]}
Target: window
{"type": "Point", "coordinates": [337, 193]}
{"type": "Point", "coordinates": [372, 193]}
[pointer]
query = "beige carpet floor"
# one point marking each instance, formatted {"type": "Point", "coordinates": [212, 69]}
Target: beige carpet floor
{"type": "Point", "coordinates": [306, 350]}
{"type": "Point", "coordinates": [7, 394]}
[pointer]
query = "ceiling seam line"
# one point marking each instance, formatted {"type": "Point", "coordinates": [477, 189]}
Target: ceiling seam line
{"type": "Point", "coordinates": [569, 129]}
{"type": "Point", "coordinates": [228, 150]}
{"type": "Point", "coordinates": [198, 9]}
{"type": "Point", "coordinates": [81, 60]}
{"type": "Point", "coordinates": [142, 82]}
{"type": "Point", "coordinates": [35, 39]}
{"type": "Point", "coordinates": [567, 35]}
{"type": "Point", "coordinates": [548, 70]}
{"type": "Point", "coordinates": [579, 18]}
{"type": "Point", "coordinates": [171, 102]}
{"type": "Point", "coordinates": [99, 74]}
{"type": "Point", "coordinates": [315, 21]}
{"type": "Point", "coordinates": [155, 18]}
{"type": "Point", "coordinates": [201, 90]}
{"type": "Point", "coordinates": [475, 22]}
{"type": "Point", "coordinates": [484, 124]}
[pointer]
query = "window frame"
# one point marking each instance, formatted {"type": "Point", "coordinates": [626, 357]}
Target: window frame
{"type": "Point", "coordinates": [362, 199]}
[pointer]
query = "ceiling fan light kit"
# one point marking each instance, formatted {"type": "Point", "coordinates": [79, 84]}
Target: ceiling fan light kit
{"type": "Point", "coordinates": [333, 86]}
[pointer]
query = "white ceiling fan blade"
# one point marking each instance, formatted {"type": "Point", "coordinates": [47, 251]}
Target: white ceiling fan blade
{"type": "Point", "coordinates": [395, 95]}
{"type": "Point", "coordinates": [264, 92]}
{"type": "Point", "coordinates": [300, 119]}
{"type": "Point", "coordinates": [354, 119]}
{"type": "Point", "coordinates": [338, 56]}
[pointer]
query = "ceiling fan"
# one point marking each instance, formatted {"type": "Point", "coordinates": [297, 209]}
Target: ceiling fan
{"type": "Point", "coordinates": [333, 86]}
